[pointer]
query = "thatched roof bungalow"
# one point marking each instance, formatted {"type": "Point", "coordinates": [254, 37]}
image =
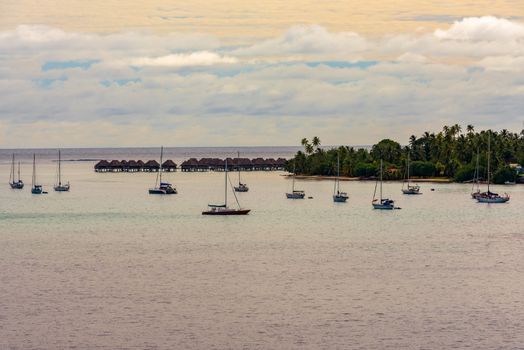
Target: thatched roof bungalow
{"type": "Point", "coordinates": [169, 165]}
{"type": "Point", "coordinates": [151, 165]}
{"type": "Point", "coordinates": [102, 166]}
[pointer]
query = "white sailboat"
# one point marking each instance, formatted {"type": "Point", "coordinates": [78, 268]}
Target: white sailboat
{"type": "Point", "coordinates": [223, 209]}
{"type": "Point", "coordinates": [491, 197]}
{"type": "Point", "coordinates": [162, 187]}
{"type": "Point", "coordinates": [15, 184]}
{"type": "Point", "coordinates": [35, 188]}
{"type": "Point", "coordinates": [338, 196]}
{"type": "Point", "coordinates": [381, 203]}
{"type": "Point", "coordinates": [241, 186]}
{"type": "Point", "coordinates": [295, 194]}
{"type": "Point", "coordinates": [409, 189]}
{"type": "Point", "coordinates": [59, 187]}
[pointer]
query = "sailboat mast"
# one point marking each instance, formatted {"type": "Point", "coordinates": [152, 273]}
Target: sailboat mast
{"type": "Point", "coordinates": [59, 169]}
{"type": "Point", "coordinates": [238, 166]}
{"type": "Point", "coordinates": [161, 157]}
{"type": "Point", "coordinates": [293, 183]}
{"type": "Point", "coordinates": [408, 167]}
{"type": "Point", "coordinates": [33, 180]}
{"type": "Point", "coordinates": [12, 174]}
{"type": "Point", "coordinates": [18, 171]}
{"type": "Point", "coordinates": [338, 173]}
{"type": "Point", "coordinates": [225, 184]}
{"type": "Point", "coordinates": [489, 157]}
{"type": "Point", "coordinates": [381, 181]}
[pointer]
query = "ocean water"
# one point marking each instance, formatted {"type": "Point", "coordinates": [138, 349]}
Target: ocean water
{"type": "Point", "coordinates": [108, 266]}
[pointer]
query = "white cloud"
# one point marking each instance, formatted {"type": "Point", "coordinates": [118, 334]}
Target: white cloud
{"type": "Point", "coordinates": [200, 58]}
{"type": "Point", "coordinates": [195, 92]}
{"type": "Point", "coordinates": [503, 63]}
{"type": "Point", "coordinates": [308, 40]}
{"type": "Point", "coordinates": [487, 28]}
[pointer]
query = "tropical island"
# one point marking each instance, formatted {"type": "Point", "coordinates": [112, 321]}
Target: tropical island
{"type": "Point", "coordinates": [448, 154]}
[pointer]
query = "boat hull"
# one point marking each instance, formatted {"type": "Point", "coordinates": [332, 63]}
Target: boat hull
{"type": "Point", "coordinates": [295, 195]}
{"type": "Point", "coordinates": [36, 190]}
{"type": "Point", "coordinates": [62, 188]}
{"type": "Point", "coordinates": [17, 185]}
{"type": "Point", "coordinates": [383, 206]}
{"type": "Point", "coordinates": [410, 192]}
{"type": "Point", "coordinates": [241, 189]}
{"type": "Point", "coordinates": [340, 199]}
{"type": "Point", "coordinates": [481, 199]}
{"type": "Point", "coordinates": [162, 191]}
{"type": "Point", "coordinates": [227, 212]}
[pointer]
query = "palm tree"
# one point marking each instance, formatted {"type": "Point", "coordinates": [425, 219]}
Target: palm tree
{"type": "Point", "coordinates": [316, 142]}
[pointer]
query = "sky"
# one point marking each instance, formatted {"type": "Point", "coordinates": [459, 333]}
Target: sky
{"type": "Point", "coordinates": [224, 73]}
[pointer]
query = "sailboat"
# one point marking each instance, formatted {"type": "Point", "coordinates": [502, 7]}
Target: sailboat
{"type": "Point", "coordinates": [491, 197]}
{"type": "Point", "coordinates": [339, 197]}
{"type": "Point", "coordinates": [409, 189]}
{"type": "Point", "coordinates": [18, 184]}
{"type": "Point", "coordinates": [241, 187]}
{"type": "Point", "coordinates": [381, 203]}
{"type": "Point", "coordinates": [223, 209]}
{"type": "Point", "coordinates": [35, 188]}
{"type": "Point", "coordinates": [59, 187]}
{"type": "Point", "coordinates": [295, 194]}
{"type": "Point", "coordinates": [475, 188]}
{"type": "Point", "coordinates": [162, 187]}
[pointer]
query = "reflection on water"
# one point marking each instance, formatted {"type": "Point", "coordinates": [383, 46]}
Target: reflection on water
{"type": "Point", "coordinates": [108, 266]}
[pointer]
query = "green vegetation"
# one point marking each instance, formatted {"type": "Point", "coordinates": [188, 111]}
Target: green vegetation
{"type": "Point", "coordinates": [450, 153]}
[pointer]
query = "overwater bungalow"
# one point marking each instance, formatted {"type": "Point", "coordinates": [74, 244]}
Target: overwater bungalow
{"type": "Point", "coordinates": [102, 166]}
{"type": "Point", "coordinates": [192, 164]}
{"type": "Point", "coordinates": [115, 166]}
{"type": "Point", "coordinates": [151, 166]}
{"type": "Point", "coordinates": [169, 165]}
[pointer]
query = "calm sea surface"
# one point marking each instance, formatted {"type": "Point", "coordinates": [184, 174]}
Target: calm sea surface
{"type": "Point", "coordinates": [108, 266]}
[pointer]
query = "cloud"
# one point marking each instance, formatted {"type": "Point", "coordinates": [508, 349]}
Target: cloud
{"type": "Point", "coordinates": [143, 88]}
{"type": "Point", "coordinates": [503, 63]}
{"type": "Point", "coordinates": [487, 28]}
{"type": "Point", "coordinates": [200, 58]}
{"type": "Point", "coordinates": [308, 40]}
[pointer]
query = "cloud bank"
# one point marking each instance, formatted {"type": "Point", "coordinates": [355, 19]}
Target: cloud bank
{"type": "Point", "coordinates": [132, 88]}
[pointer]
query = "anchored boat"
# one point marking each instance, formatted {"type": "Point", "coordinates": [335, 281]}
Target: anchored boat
{"type": "Point", "coordinates": [475, 187]}
{"type": "Point", "coordinates": [491, 197]}
{"type": "Point", "coordinates": [15, 184]}
{"type": "Point", "coordinates": [241, 186]}
{"type": "Point", "coordinates": [338, 196]}
{"type": "Point", "coordinates": [381, 203]}
{"type": "Point", "coordinates": [35, 188]}
{"type": "Point", "coordinates": [295, 194]}
{"type": "Point", "coordinates": [223, 209]}
{"type": "Point", "coordinates": [162, 187]}
{"type": "Point", "coordinates": [409, 189]}
{"type": "Point", "coordinates": [59, 187]}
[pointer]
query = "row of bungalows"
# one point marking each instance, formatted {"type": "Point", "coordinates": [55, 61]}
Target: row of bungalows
{"type": "Point", "coordinates": [131, 166]}
{"type": "Point", "coordinates": [233, 164]}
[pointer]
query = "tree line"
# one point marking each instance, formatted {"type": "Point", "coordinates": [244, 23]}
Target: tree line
{"type": "Point", "coordinates": [450, 153]}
